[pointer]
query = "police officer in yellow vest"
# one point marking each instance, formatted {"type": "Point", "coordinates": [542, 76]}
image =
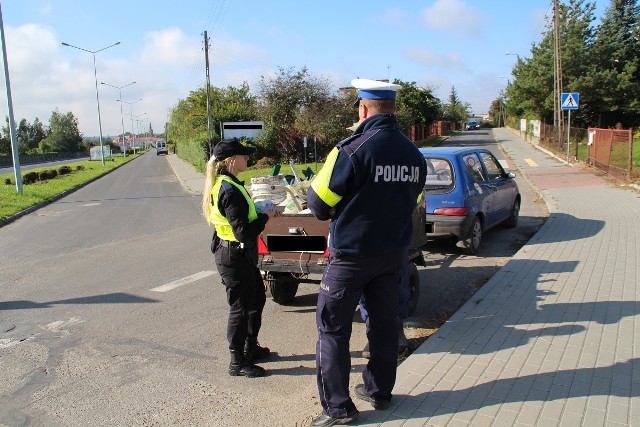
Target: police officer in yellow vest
{"type": "Point", "coordinates": [368, 187]}
{"type": "Point", "coordinates": [227, 205]}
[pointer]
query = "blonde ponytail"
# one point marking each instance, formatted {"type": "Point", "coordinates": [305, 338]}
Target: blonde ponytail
{"type": "Point", "coordinates": [211, 172]}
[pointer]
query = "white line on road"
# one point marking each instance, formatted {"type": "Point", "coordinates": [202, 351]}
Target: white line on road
{"type": "Point", "coordinates": [184, 281]}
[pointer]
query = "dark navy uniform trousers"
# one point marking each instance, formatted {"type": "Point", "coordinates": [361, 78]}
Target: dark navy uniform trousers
{"type": "Point", "coordinates": [245, 294]}
{"type": "Point", "coordinates": [345, 280]}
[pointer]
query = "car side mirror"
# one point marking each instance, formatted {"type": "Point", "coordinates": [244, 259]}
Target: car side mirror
{"type": "Point", "coordinates": [511, 175]}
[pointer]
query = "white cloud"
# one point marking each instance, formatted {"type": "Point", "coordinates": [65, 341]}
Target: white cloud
{"type": "Point", "coordinates": [430, 58]}
{"type": "Point", "coordinates": [453, 16]}
{"type": "Point", "coordinates": [173, 48]}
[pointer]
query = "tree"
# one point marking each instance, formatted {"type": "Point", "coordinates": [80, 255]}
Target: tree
{"type": "Point", "coordinates": [455, 111]}
{"type": "Point", "coordinates": [416, 105]}
{"type": "Point", "coordinates": [531, 95]}
{"type": "Point", "coordinates": [599, 62]}
{"type": "Point", "coordinates": [187, 125]}
{"type": "Point", "coordinates": [612, 83]}
{"type": "Point", "coordinates": [497, 112]}
{"type": "Point", "coordinates": [35, 133]}
{"type": "Point", "coordinates": [287, 102]}
{"type": "Point", "coordinates": [64, 135]}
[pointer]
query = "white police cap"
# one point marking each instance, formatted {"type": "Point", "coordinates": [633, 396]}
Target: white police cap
{"type": "Point", "coordinates": [375, 89]}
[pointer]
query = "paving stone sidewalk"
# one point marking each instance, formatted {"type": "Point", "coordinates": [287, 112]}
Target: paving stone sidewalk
{"type": "Point", "coordinates": [553, 339]}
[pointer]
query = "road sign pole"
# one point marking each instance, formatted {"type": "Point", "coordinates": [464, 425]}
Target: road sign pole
{"type": "Point", "coordinates": [568, 132]}
{"type": "Point", "coordinates": [569, 101]}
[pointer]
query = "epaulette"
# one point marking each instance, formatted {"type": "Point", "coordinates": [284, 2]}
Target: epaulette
{"type": "Point", "coordinates": [346, 141]}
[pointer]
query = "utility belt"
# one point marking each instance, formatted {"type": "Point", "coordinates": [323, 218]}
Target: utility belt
{"type": "Point", "coordinates": [234, 244]}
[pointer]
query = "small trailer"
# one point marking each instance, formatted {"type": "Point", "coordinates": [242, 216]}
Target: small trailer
{"type": "Point", "coordinates": [294, 246]}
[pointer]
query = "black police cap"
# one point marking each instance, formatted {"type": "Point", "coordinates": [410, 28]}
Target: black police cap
{"type": "Point", "coordinates": [231, 147]}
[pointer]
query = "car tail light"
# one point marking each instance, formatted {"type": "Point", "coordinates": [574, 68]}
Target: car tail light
{"type": "Point", "coordinates": [262, 247]}
{"type": "Point", "coordinates": [451, 211]}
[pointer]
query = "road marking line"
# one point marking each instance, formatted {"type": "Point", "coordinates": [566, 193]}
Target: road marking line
{"type": "Point", "coordinates": [531, 162]}
{"type": "Point", "coordinates": [184, 281]}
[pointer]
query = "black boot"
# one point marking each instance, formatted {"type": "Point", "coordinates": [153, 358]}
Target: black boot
{"type": "Point", "coordinates": [253, 351]}
{"type": "Point", "coordinates": [240, 366]}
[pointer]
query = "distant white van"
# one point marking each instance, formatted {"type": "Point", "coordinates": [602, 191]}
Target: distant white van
{"type": "Point", "coordinates": [161, 147]}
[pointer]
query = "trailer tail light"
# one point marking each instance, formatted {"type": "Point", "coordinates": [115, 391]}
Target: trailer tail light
{"type": "Point", "coordinates": [326, 252]}
{"type": "Point", "coordinates": [262, 248]}
{"type": "Point", "coordinates": [451, 211]}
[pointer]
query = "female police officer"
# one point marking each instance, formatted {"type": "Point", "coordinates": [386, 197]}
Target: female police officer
{"type": "Point", "coordinates": [368, 187]}
{"type": "Point", "coordinates": [227, 205]}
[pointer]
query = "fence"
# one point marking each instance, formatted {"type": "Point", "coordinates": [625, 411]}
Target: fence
{"type": "Point", "coordinates": [555, 140]}
{"type": "Point", "coordinates": [611, 150]}
{"type": "Point", "coordinates": [420, 132]}
{"type": "Point", "coordinates": [29, 159]}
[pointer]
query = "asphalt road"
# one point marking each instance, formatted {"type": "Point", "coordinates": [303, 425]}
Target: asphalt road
{"type": "Point", "coordinates": [111, 312]}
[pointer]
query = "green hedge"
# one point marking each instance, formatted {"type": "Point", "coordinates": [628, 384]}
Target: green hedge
{"type": "Point", "coordinates": [194, 152]}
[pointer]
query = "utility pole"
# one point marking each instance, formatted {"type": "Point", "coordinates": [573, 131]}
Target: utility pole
{"type": "Point", "coordinates": [557, 73]}
{"type": "Point", "coordinates": [209, 128]}
{"type": "Point", "coordinates": [12, 123]}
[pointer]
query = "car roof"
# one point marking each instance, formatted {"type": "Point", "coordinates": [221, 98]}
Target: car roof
{"type": "Point", "coordinates": [434, 151]}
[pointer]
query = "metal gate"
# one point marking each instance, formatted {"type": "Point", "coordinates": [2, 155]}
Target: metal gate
{"type": "Point", "coordinates": [611, 150]}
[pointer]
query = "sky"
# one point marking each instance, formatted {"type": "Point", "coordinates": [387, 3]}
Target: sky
{"type": "Point", "coordinates": [439, 44]}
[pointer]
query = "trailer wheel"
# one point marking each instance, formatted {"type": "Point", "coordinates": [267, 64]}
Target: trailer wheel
{"type": "Point", "coordinates": [282, 287]}
{"type": "Point", "coordinates": [414, 288]}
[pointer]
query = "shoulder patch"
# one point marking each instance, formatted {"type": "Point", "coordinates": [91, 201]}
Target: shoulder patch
{"type": "Point", "coordinates": [348, 140]}
{"type": "Point", "coordinates": [227, 186]}
{"type": "Point", "coordinates": [354, 144]}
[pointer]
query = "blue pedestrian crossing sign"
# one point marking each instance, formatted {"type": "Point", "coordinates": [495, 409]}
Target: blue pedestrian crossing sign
{"type": "Point", "coordinates": [570, 101]}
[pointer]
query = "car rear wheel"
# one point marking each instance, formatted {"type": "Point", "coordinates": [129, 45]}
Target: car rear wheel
{"type": "Point", "coordinates": [471, 243]}
{"type": "Point", "coordinates": [512, 221]}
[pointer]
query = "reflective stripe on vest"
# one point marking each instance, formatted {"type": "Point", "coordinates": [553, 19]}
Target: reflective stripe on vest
{"type": "Point", "coordinates": [320, 183]}
{"type": "Point", "coordinates": [223, 228]}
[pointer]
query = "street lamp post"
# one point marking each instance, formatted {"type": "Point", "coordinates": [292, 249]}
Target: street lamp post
{"type": "Point", "coordinates": [138, 127]}
{"type": "Point", "coordinates": [124, 147]}
{"type": "Point", "coordinates": [95, 74]}
{"type": "Point", "coordinates": [133, 131]}
{"type": "Point", "coordinates": [515, 54]}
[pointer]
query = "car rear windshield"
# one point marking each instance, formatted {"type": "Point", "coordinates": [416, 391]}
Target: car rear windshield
{"type": "Point", "coordinates": [440, 176]}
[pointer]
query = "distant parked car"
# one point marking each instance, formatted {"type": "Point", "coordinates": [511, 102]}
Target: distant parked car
{"type": "Point", "coordinates": [467, 193]}
{"type": "Point", "coordinates": [472, 126]}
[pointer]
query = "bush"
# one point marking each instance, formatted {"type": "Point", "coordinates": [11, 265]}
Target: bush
{"type": "Point", "coordinates": [47, 174]}
{"type": "Point", "coordinates": [79, 167]}
{"type": "Point", "coordinates": [64, 170]}
{"type": "Point", "coordinates": [7, 181]}
{"type": "Point", "coordinates": [29, 178]}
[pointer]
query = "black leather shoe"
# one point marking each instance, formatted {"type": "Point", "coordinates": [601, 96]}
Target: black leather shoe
{"type": "Point", "coordinates": [325, 420]}
{"type": "Point", "coordinates": [375, 402]}
{"type": "Point", "coordinates": [245, 369]}
{"type": "Point", "coordinates": [253, 352]}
